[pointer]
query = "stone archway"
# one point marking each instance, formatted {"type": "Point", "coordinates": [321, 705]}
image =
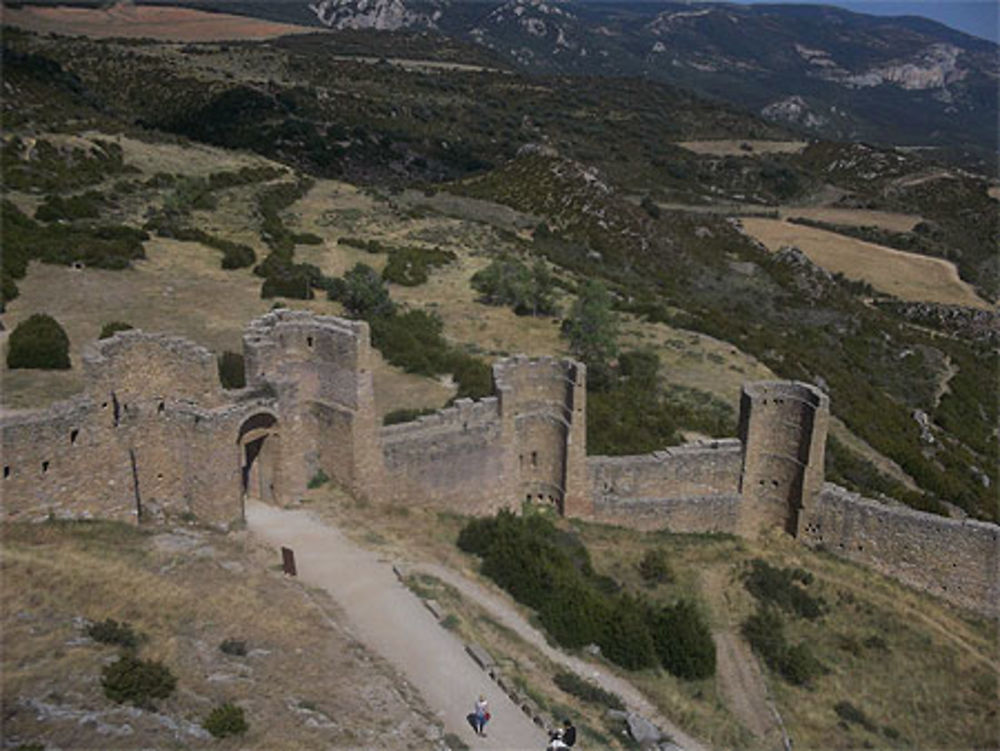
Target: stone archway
{"type": "Point", "coordinates": [260, 458]}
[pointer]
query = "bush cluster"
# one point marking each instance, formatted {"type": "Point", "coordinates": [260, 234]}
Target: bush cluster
{"type": "Point", "coordinates": [38, 342]}
{"type": "Point", "coordinates": [226, 719]}
{"type": "Point", "coordinates": [111, 631]}
{"type": "Point", "coordinates": [654, 568]}
{"type": "Point", "coordinates": [234, 255]}
{"type": "Point", "coordinates": [589, 692]}
{"type": "Point", "coordinates": [780, 587]}
{"type": "Point", "coordinates": [507, 281]}
{"type": "Point", "coordinates": [282, 276]}
{"type": "Point", "coordinates": [109, 329]}
{"type": "Point", "coordinates": [411, 266]}
{"type": "Point", "coordinates": [551, 572]}
{"type": "Point", "coordinates": [136, 681]}
{"type": "Point", "coordinates": [398, 416]}
{"type": "Point", "coordinates": [234, 647]}
{"type": "Point", "coordinates": [56, 208]}
{"type": "Point", "coordinates": [765, 631]}
{"type": "Point", "coordinates": [628, 412]}
{"type": "Point", "coordinates": [106, 247]}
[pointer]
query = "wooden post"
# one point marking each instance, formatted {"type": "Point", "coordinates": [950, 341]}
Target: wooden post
{"type": "Point", "coordinates": [288, 561]}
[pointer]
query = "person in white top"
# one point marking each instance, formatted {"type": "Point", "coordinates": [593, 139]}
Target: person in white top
{"type": "Point", "coordinates": [482, 715]}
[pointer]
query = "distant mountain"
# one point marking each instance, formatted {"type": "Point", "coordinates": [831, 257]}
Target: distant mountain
{"type": "Point", "coordinates": [828, 71]}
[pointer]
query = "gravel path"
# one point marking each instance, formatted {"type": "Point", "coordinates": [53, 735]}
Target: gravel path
{"type": "Point", "coordinates": [388, 618]}
{"type": "Point", "coordinates": [499, 606]}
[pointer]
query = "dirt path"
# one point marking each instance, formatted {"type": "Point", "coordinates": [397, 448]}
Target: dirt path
{"type": "Point", "coordinates": [384, 615]}
{"type": "Point", "coordinates": [738, 674]}
{"type": "Point", "coordinates": [498, 605]}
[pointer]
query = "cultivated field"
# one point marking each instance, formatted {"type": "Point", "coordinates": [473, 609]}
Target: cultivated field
{"type": "Point", "coordinates": [737, 148]}
{"type": "Point", "coordinates": [908, 276]}
{"type": "Point", "coordinates": [145, 22]}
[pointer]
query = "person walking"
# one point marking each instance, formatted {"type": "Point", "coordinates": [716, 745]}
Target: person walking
{"type": "Point", "coordinates": [482, 715]}
{"type": "Point", "coordinates": [568, 734]}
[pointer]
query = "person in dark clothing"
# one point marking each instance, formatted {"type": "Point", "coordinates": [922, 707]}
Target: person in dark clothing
{"type": "Point", "coordinates": [568, 733]}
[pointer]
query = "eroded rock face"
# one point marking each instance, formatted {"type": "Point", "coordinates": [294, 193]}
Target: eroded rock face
{"type": "Point", "coordinates": [383, 15]}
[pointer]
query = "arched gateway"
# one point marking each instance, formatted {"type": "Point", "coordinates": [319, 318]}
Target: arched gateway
{"type": "Point", "coordinates": [260, 457]}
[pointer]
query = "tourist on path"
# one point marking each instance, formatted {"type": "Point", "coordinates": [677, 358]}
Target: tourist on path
{"type": "Point", "coordinates": [481, 715]}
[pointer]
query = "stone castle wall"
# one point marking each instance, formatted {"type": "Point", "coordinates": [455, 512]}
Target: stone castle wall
{"type": "Point", "coordinates": [451, 459]}
{"type": "Point", "coordinates": [957, 560]}
{"type": "Point", "coordinates": [690, 488]}
{"type": "Point", "coordinates": [155, 437]}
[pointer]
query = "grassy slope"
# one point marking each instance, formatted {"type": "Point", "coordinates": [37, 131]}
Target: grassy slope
{"type": "Point", "coordinates": [305, 683]}
{"type": "Point", "coordinates": [935, 657]}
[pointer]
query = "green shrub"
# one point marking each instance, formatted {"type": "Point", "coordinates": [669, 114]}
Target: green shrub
{"type": "Point", "coordinates": [113, 632]}
{"type": "Point", "coordinates": [654, 568]}
{"type": "Point", "coordinates": [411, 266]}
{"type": "Point", "coordinates": [589, 692]}
{"type": "Point", "coordinates": [56, 208]}
{"type": "Point", "coordinates": [318, 480]}
{"type": "Point", "coordinates": [851, 714]}
{"type": "Point", "coordinates": [507, 281]}
{"type": "Point", "coordinates": [234, 647]}
{"type": "Point", "coordinates": [232, 370]}
{"type": "Point", "coordinates": [451, 622]}
{"type": "Point", "coordinates": [398, 416]}
{"type": "Point", "coordinates": [778, 586]}
{"type": "Point", "coordinates": [38, 342]}
{"type": "Point", "coordinates": [130, 679]}
{"type": "Point", "coordinates": [226, 719]}
{"type": "Point", "coordinates": [550, 571]}
{"type": "Point", "coordinates": [364, 293]}
{"type": "Point", "coordinates": [764, 630]}
{"type": "Point", "coordinates": [684, 641]}
{"type": "Point", "coordinates": [109, 329]}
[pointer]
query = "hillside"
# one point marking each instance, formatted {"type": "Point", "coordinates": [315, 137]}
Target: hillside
{"type": "Point", "coordinates": [827, 71]}
{"type": "Point", "coordinates": [187, 188]}
{"type": "Point", "coordinates": [577, 154]}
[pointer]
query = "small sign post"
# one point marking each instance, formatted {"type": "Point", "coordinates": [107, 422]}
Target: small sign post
{"type": "Point", "coordinates": [288, 561]}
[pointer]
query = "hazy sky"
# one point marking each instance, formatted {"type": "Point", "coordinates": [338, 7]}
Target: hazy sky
{"type": "Point", "coordinates": [978, 17]}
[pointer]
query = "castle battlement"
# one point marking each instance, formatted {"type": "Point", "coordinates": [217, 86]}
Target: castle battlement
{"type": "Point", "coordinates": [154, 436]}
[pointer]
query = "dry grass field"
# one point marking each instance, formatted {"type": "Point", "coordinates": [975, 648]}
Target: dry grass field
{"type": "Point", "coordinates": [736, 148]}
{"type": "Point", "coordinates": [305, 682]}
{"type": "Point", "coordinates": [908, 276]}
{"type": "Point", "coordinates": [125, 20]}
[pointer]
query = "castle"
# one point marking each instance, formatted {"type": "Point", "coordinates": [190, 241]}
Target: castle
{"type": "Point", "coordinates": [154, 436]}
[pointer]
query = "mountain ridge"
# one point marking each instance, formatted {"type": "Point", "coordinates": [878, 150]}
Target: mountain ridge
{"type": "Point", "coordinates": [833, 73]}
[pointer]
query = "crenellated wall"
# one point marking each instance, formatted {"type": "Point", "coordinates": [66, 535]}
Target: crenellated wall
{"type": "Point", "coordinates": [957, 560]}
{"type": "Point", "coordinates": [155, 437]}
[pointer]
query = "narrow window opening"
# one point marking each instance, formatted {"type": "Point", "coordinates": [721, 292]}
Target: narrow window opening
{"type": "Point", "coordinates": [73, 435]}
{"type": "Point", "coordinates": [45, 466]}
{"type": "Point", "coordinates": [534, 458]}
{"type": "Point", "coordinates": [159, 407]}
{"type": "Point", "coordinates": [309, 341]}
{"type": "Point", "coordinates": [6, 472]}
{"type": "Point", "coordinates": [520, 461]}
{"type": "Point", "coordinates": [115, 406]}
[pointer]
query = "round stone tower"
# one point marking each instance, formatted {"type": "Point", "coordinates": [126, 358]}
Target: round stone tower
{"type": "Point", "coordinates": [783, 427]}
